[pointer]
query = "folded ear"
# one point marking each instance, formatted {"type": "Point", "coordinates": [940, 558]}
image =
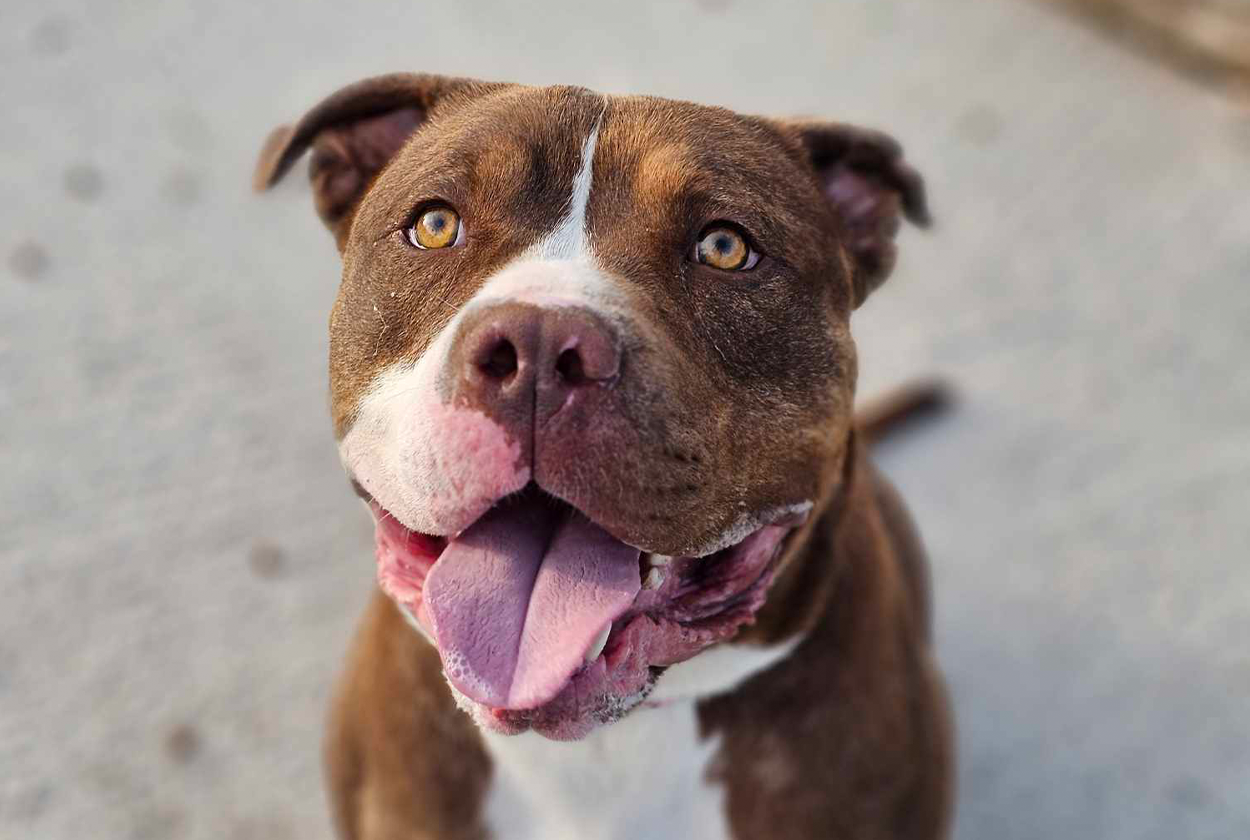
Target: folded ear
{"type": "Point", "coordinates": [354, 133]}
{"type": "Point", "coordinates": [871, 188]}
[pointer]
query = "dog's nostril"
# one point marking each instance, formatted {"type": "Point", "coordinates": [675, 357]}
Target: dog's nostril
{"type": "Point", "coordinates": [500, 361]}
{"type": "Point", "coordinates": [569, 367]}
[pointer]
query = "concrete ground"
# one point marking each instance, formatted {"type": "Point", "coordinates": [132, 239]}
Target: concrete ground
{"type": "Point", "coordinates": [181, 560]}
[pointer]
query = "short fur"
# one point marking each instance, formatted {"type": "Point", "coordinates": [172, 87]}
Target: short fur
{"type": "Point", "coordinates": [735, 396]}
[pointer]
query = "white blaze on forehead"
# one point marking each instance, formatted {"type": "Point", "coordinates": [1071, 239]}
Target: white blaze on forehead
{"type": "Point", "coordinates": [560, 268]}
{"type": "Point", "coordinates": [569, 241]}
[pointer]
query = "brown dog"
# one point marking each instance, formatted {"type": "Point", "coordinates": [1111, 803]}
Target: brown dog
{"type": "Point", "coordinates": [591, 370]}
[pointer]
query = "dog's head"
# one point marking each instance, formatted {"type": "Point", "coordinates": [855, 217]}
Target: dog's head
{"type": "Point", "coordinates": [590, 365]}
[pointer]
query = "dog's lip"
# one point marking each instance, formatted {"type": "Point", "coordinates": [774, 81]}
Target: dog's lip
{"type": "Point", "coordinates": [787, 515]}
{"type": "Point", "coordinates": [557, 719]}
{"type": "Point", "coordinates": [695, 603]}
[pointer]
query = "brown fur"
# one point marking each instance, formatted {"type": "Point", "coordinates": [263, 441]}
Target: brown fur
{"type": "Point", "coordinates": [735, 394]}
{"type": "Point", "coordinates": [400, 757]}
{"type": "Point", "coordinates": [863, 752]}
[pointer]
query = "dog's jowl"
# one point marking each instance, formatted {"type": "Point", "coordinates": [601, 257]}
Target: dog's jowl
{"type": "Point", "coordinates": [592, 373]}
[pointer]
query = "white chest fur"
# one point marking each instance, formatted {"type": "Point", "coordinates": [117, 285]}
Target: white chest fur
{"type": "Point", "coordinates": [642, 777]}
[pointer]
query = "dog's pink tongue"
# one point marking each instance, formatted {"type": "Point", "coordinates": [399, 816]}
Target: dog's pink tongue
{"type": "Point", "coordinates": [516, 600]}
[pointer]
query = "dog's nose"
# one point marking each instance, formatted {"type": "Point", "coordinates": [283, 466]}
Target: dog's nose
{"type": "Point", "coordinates": [515, 358]}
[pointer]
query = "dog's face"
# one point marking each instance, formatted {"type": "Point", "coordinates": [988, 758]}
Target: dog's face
{"type": "Point", "coordinates": [590, 366]}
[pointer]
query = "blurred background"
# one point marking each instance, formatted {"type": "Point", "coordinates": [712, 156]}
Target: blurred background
{"type": "Point", "coordinates": [182, 562]}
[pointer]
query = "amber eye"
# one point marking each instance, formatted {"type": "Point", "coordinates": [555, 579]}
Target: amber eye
{"type": "Point", "coordinates": [723, 246]}
{"type": "Point", "coordinates": [436, 227]}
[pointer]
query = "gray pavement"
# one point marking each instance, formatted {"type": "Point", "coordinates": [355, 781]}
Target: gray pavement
{"type": "Point", "coordinates": [181, 561]}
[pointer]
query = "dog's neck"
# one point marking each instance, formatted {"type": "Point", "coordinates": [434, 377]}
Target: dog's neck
{"type": "Point", "coordinates": [805, 580]}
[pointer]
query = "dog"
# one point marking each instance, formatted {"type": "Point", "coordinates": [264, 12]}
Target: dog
{"type": "Point", "coordinates": [592, 373]}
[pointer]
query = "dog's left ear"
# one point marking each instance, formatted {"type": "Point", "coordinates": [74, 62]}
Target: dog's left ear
{"type": "Point", "coordinates": [871, 188]}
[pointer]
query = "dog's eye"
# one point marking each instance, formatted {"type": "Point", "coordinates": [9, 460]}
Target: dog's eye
{"type": "Point", "coordinates": [721, 245]}
{"type": "Point", "coordinates": [436, 227]}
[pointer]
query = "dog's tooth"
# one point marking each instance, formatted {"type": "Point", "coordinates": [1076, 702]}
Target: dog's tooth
{"type": "Point", "coordinates": [655, 578]}
{"type": "Point", "coordinates": [660, 559]}
{"type": "Point", "coordinates": [599, 643]}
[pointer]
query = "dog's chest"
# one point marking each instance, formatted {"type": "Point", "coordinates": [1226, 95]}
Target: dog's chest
{"type": "Point", "coordinates": [643, 777]}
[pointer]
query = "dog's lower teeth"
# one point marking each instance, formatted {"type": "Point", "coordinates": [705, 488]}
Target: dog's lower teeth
{"type": "Point", "coordinates": [655, 578]}
{"type": "Point", "coordinates": [600, 642]}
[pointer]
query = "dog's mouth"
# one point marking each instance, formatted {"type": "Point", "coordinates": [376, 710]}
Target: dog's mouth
{"type": "Point", "coordinates": [544, 620]}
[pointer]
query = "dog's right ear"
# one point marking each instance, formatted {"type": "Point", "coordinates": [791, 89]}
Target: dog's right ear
{"type": "Point", "coordinates": [354, 133]}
